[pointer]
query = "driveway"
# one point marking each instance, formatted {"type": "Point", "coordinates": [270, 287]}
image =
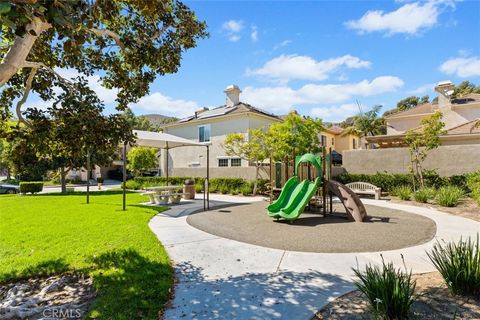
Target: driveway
{"type": "Point", "coordinates": [220, 278]}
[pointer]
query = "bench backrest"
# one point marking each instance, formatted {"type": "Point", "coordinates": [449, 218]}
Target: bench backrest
{"type": "Point", "coordinates": [361, 186]}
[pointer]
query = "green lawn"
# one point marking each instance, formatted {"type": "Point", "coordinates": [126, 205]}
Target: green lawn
{"type": "Point", "coordinates": [48, 234]}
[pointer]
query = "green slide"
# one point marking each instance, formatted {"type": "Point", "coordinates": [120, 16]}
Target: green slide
{"type": "Point", "coordinates": [274, 208]}
{"type": "Point", "coordinates": [299, 199]}
{"type": "Point", "coordinates": [293, 199]}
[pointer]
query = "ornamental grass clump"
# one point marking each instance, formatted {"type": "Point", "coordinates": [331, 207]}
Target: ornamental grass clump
{"type": "Point", "coordinates": [403, 192]}
{"type": "Point", "coordinates": [389, 291]}
{"type": "Point", "coordinates": [423, 195]}
{"type": "Point", "coordinates": [459, 265]}
{"type": "Point", "coordinates": [449, 196]}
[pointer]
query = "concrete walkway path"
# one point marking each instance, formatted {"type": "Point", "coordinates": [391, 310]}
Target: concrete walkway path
{"type": "Point", "coordinates": [220, 278]}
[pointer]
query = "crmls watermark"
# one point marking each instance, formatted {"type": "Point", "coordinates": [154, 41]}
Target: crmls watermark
{"type": "Point", "coordinates": [59, 313]}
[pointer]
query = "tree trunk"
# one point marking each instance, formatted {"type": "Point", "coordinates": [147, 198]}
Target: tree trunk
{"type": "Point", "coordinates": [255, 184]}
{"type": "Point", "coordinates": [21, 47]}
{"type": "Point", "coordinates": [63, 181]}
{"type": "Point", "coordinates": [9, 174]}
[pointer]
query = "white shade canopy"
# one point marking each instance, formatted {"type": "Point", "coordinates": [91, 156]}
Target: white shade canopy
{"type": "Point", "coordinates": [162, 140]}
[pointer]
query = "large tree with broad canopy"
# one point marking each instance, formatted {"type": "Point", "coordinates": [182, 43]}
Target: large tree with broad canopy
{"type": "Point", "coordinates": [127, 42]}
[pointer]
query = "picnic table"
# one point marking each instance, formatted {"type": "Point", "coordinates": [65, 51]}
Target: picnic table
{"type": "Point", "coordinates": [163, 194]}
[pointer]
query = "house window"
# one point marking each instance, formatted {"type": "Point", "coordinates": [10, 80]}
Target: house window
{"type": "Point", "coordinates": [354, 141]}
{"type": "Point", "coordinates": [204, 133]}
{"type": "Point", "coordinates": [323, 140]}
{"type": "Point", "coordinates": [333, 141]}
{"type": "Point", "coordinates": [235, 162]}
{"type": "Point", "coordinates": [223, 162]}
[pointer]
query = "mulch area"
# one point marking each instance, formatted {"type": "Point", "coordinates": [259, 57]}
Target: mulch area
{"type": "Point", "coordinates": [467, 208]}
{"type": "Point", "coordinates": [385, 229]}
{"type": "Point", "coordinates": [434, 302]}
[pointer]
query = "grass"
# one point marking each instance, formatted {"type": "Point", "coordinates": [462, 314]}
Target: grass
{"type": "Point", "coordinates": [459, 265]}
{"type": "Point", "coordinates": [449, 196]}
{"type": "Point", "coordinates": [390, 291]}
{"type": "Point", "coordinates": [403, 192]}
{"type": "Point", "coordinates": [49, 234]}
{"type": "Point", "coordinates": [423, 195]}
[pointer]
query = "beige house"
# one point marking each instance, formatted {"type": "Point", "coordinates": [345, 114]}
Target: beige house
{"type": "Point", "coordinates": [211, 128]}
{"type": "Point", "coordinates": [459, 116]}
{"type": "Point", "coordinates": [336, 138]}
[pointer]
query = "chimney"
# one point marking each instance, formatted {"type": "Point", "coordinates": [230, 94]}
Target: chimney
{"type": "Point", "coordinates": [445, 90]}
{"type": "Point", "coordinates": [233, 95]}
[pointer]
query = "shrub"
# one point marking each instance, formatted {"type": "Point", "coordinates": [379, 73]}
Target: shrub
{"type": "Point", "coordinates": [424, 194]}
{"type": "Point", "coordinates": [473, 184]}
{"type": "Point", "coordinates": [449, 196]}
{"type": "Point", "coordinates": [133, 185]}
{"type": "Point", "coordinates": [246, 189]}
{"type": "Point", "coordinates": [31, 187]}
{"type": "Point", "coordinates": [198, 188]}
{"type": "Point", "coordinates": [403, 192]}
{"type": "Point", "coordinates": [389, 291]}
{"type": "Point", "coordinates": [224, 189]}
{"type": "Point", "coordinates": [459, 265]}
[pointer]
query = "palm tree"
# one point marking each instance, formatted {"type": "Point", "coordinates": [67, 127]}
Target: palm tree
{"type": "Point", "coordinates": [368, 123]}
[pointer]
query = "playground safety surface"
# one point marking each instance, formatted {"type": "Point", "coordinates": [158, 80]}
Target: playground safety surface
{"type": "Point", "coordinates": [385, 229]}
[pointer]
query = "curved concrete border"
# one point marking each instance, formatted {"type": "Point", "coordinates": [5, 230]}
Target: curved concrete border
{"type": "Point", "coordinates": [222, 278]}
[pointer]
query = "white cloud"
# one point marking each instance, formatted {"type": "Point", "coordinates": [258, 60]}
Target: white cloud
{"type": "Point", "coordinates": [161, 104]}
{"type": "Point", "coordinates": [410, 18]}
{"type": "Point", "coordinates": [233, 25]}
{"type": "Point", "coordinates": [335, 113]}
{"type": "Point", "coordinates": [288, 67]}
{"type": "Point", "coordinates": [234, 37]}
{"type": "Point", "coordinates": [429, 87]}
{"type": "Point", "coordinates": [254, 34]}
{"type": "Point", "coordinates": [283, 98]}
{"type": "Point", "coordinates": [282, 44]}
{"type": "Point", "coordinates": [462, 67]}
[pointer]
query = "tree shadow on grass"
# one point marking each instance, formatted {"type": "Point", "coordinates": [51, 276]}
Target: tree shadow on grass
{"type": "Point", "coordinates": [130, 285]}
{"type": "Point", "coordinates": [274, 295]}
{"type": "Point", "coordinates": [44, 268]}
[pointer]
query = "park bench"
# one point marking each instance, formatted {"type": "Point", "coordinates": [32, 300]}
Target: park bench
{"type": "Point", "coordinates": [365, 188]}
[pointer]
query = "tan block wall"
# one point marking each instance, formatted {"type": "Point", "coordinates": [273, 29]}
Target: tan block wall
{"type": "Point", "coordinates": [447, 160]}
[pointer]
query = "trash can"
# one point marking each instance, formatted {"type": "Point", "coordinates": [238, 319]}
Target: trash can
{"type": "Point", "coordinates": [189, 189]}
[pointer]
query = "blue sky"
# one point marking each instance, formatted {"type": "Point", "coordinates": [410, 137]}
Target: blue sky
{"type": "Point", "coordinates": [320, 57]}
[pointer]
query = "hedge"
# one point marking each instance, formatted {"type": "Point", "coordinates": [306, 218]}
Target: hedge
{"type": "Point", "coordinates": [31, 187]}
{"type": "Point", "coordinates": [222, 185]}
{"type": "Point", "coordinates": [473, 183]}
{"type": "Point", "coordinates": [389, 181]}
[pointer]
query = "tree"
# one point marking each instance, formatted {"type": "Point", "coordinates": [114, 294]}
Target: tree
{"type": "Point", "coordinates": [253, 149]}
{"type": "Point", "coordinates": [408, 103]}
{"type": "Point", "coordinates": [139, 123]}
{"type": "Point", "coordinates": [368, 123]}
{"type": "Point", "coordinates": [423, 140]}
{"type": "Point", "coordinates": [296, 135]}
{"type": "Point", "coordinates": [128, 42]}
{"type": "Point", "coordinates": [464, 88]}
{"type": "Point", "coordinates": [141, 159]}
{"type": "Point", "coordinates": [62, 136]}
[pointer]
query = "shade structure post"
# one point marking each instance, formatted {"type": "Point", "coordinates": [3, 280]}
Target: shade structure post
{"type": "Point", "coordinates": [271, 181]}
{"type": "Point", "coordinates": [166, 169]}
{"type": "Point", "coordinates": [330, 178]}
{"type": "Point", "coordinates": [124, 176]}
{"type": "Point", "coordinates": [324, 186]}
{"type": "Point", "coordinates": [208, 178]}
{"type": "Point", "coordinates": [88, 176]}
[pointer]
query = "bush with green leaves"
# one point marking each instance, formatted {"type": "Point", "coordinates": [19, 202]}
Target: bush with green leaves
{"type": "Point", "coordinates": [473, 184]}
{"type": "Point", "coordinates": [31, 187]}
{"type": "Point", "coordinates": [459, 265]}
{"type": "Point", "coordinates": [449, 196]}
{"type": "Point", "coordinates": [390, 291]}
{"type": "Point", "coordinates": [133, 185]}
{"type": "Point", "coordinates": [246, 189]}
{"type": "Point", "coordinates": [403, 192]}
{"type": "Point", "coordinates": [423, 195]}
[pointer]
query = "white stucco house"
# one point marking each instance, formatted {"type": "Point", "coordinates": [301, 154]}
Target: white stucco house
{"type": "Point", "coordinates": [211, 126]}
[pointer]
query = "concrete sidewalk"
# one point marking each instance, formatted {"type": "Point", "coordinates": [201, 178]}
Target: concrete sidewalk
{"type": "Point", "coordinates": [221, 278]}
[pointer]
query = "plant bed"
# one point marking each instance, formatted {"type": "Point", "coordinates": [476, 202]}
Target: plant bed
{"type": "Point", "coordinates": [434, 302]}
{"type": "Point", "coordinates": [467, 208]}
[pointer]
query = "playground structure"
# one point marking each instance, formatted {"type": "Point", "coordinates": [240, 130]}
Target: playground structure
{"type": "Point", "coordinates": [314, 188]}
